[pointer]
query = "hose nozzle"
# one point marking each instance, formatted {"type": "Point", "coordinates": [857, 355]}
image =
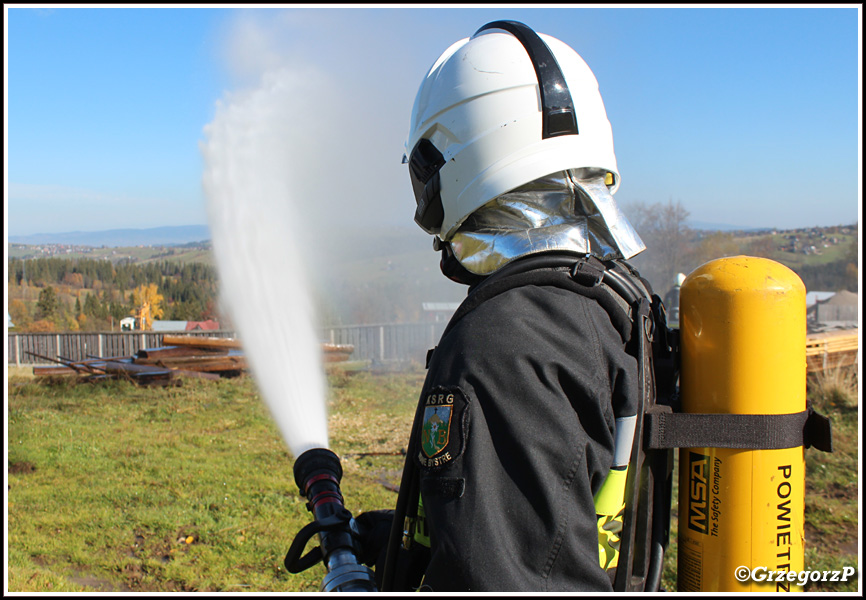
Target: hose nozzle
{"type": "Point", "coordinates": [317, 475]}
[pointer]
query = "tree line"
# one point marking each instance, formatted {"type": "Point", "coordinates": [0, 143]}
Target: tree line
{"type": "Point", "coordinates": [61, 294]}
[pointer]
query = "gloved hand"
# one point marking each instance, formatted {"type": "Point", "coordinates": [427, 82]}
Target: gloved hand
{"type": "Point", "coordinates": [374, 528]}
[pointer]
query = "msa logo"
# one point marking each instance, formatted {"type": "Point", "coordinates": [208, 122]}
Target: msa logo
{"type": "Point", "coordinates": [698, 468]}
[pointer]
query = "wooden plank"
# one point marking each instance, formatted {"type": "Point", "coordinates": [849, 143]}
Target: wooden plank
{"type": "Point", "coordinates": [175, 351]}
{"type": "Point", "coordinates": [337, 352]}
{"type": "Point", "coordinates": [333, 357]}
{"type": "Point", "coordinates": [131, 368]}
{"type": "Point", "coordinates": [200, 342]}
{"type": "Point", "coordinates": [51, 371]}
{"type": "Point", "coordinates": [832, 349]}
{"type": "Point", "coordinates": [338, 348]}
{"type": "Point", "coordinates": [206, 363]}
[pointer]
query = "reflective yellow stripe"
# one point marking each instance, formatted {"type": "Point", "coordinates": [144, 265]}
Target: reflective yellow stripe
{"type": "Point", "coordinates": [609, 505]}
{"type": "Point", "coordinates": [609, 530]}
{"type": "Point", "coordinates": [609, 499]}
{"type": "Point", "coordinates": [422, 535]}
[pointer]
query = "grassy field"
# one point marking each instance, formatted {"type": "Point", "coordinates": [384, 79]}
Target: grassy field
{"type": "Point", "coordinates": [113, 487]}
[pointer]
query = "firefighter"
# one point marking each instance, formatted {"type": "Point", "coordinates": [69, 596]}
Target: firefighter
{"type": "Point", "coordinates": [511, 160]}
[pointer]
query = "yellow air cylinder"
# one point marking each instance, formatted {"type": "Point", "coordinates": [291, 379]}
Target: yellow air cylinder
{"type": "Point", "coordinates": [743, 339]}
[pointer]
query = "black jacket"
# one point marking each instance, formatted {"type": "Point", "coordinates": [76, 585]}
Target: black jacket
{"type": "Point", "coordinates": [514, 438]}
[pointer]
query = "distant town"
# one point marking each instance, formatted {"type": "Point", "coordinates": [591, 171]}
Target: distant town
{"type": "Point", "coordinates": [112, 253]}
{"type": "Point", "coordinates": [806, 240]}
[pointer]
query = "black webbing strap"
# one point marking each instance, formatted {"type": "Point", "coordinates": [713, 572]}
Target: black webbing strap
{"type": "Point", "coordinates": [666, 429]}
{"type": "Point", "coordinates": [578, 274]}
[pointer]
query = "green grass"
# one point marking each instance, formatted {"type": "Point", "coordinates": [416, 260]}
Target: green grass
{"type": "Point", "coordinates": [189, 488]}
{"type": "Point", "coordinates": [832, 522]}
{"type": "Point", "coordinates": [113, 487]}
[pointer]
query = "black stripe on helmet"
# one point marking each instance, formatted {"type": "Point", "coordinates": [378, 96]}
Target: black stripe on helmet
{"type": "Point", "coordinates": [557, 114]}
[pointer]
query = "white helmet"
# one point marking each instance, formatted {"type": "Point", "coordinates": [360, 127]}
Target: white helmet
{"type": "Point", "coordinates": [499, 110]}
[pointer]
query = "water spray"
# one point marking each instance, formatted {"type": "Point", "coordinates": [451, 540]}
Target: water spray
{"type": "Point", "coordinates": [252, 173]}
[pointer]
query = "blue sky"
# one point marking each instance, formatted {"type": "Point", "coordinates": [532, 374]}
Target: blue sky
{"type": "Point", "coordinates": [747, 116]}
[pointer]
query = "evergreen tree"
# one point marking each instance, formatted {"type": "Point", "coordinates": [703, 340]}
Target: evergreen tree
{"type": "Point", "coordinates": [48, 304]}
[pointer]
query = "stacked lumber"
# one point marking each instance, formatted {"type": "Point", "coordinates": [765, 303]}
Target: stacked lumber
{"type": "Point", "coordinates": [221, 356]}
{"type": "Point", "coordinates": [337, 352]}
{"type": "Point", "coordinates": [180, 356]}
{"type": "Point", "coordinates": [832, 349]}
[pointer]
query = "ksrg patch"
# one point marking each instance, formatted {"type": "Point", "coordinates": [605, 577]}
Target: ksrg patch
{"type": "Point", "coordinates": [442, 427]}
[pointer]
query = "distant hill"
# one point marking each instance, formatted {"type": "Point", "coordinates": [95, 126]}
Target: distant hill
{"type": "Point", "coordinates": [157, 236]}
{"type": "Point", "coordinates": [180, 235]}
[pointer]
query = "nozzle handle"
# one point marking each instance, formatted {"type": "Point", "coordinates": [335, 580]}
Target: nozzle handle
{"type": "Point", "coordinates": [317, 474]}
{"type": "Point", "coordinates": [295, 563]}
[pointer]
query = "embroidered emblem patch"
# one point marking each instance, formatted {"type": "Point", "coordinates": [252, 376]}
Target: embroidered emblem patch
{"type": "Point", "coordinates": [435, 430]}
{"type": "Point", "coordinates": [442, 427]}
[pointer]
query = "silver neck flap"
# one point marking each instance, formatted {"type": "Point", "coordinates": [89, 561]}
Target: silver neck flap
{"type": "Point", "coordinates": [557, 212]}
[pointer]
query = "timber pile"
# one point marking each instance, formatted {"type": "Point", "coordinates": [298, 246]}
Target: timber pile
{"type": "Point", "coordinates": [180, 356]}
{"type": "Point", "coordinates": [832, 349]}
{"type": "Point", "coordinates": [337, 352]}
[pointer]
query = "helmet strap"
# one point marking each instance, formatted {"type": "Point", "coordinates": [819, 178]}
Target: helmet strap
{"type": "Point", "coordinates": [558, 116]}
{"type": "Point", "coordinates": [451, 267]}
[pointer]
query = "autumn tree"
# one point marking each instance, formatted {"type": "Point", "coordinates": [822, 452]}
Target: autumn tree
{"type": "Point", "coordinates": [75, 280]}
{"type": "Point", "coordinates": [42, 326]}
{"type": "Point", "coordinates": [19, 314]}
{"type": "Point", "coordinates": [147, 304]}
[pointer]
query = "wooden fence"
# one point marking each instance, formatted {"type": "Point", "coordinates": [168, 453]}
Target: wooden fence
{"type": "Point", "coordinates": [391, 342]}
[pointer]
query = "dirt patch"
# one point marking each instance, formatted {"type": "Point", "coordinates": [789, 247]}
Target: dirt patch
{"type": "Point", "coordinates": [833, 490]}
{"type": "Point", "coordinates": [18, 468]}
{"type": "Point", "coordinates": [844, 544]}
{"type": "Point", "coordinates": [849, 548]}
{"type": "Point", "coordinates": [134, 573]}
{"type": "Point", "coordinates": [388, 478]}
{"type": "Point", "coordinates": [146, 546]}
{"type": "Point", "coordinates": [100, 585]}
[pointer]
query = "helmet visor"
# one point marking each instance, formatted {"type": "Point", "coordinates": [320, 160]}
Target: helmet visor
{"type": "Point", "coordinates": [424, 164]}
